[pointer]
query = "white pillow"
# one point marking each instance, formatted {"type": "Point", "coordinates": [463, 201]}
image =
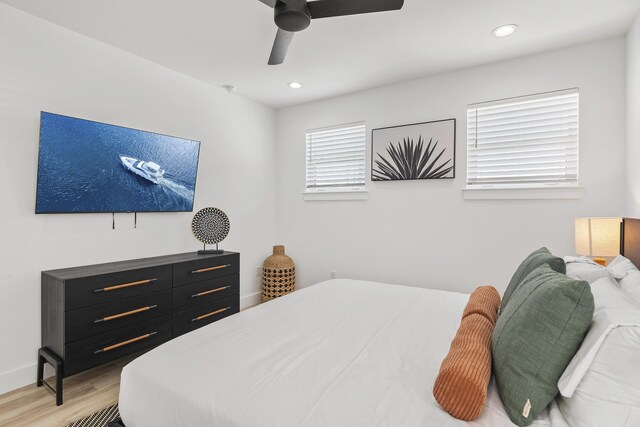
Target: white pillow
{"type": "Point", "coordinates": [583, 268]}
{"type": "Point", "coordinates": [601, 385]}
{"type": "Point", "coordinates": [608, 295]}
{"type": "Point", "coordinates": [613, 308]}
{"type": "Point", "coordinates": [620, 267]}
{"type": "Point", "coordinates": [609, 394]}
{"type": "Point", "coordinates": [631, 285]}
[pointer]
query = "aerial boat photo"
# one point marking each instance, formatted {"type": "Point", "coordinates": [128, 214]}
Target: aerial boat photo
{"type": "Point", "coordinates": [147, 170]}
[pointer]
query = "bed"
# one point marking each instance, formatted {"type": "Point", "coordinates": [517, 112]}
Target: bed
{"type": "Point", "coordinates": [339, 353]}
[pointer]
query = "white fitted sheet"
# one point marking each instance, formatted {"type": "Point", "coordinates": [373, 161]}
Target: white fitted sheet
{"type": "Point", "coordinates": [340, 353]}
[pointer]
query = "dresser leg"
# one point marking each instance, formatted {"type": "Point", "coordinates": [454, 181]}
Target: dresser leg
{"type": "Point", "coordinates": [59, 384]}
{"type": "Point", "coordinates": [40, 370]}
{"type": "Point", "coordinates": [44, 355]}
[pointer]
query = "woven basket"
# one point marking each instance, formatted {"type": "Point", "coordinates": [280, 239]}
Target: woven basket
{"type": "Point", "coordinates": [278, 275]}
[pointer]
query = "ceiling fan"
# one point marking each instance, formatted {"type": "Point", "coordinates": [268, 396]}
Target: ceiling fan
{"type": "Point", "coordinates": [292, 16]}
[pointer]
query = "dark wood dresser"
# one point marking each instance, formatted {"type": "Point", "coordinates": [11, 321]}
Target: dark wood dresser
{"type": "Point", "coordinates": [95, 314]}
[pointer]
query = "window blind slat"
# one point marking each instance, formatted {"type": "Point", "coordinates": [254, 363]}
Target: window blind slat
{"type": "Point", "coordinates": [526, 137]}
{"type": "Point", "coordinates": [565, 127]}
{"type": "Point", "coordinates": [337, 149]}
{"type": "Point", "coordinates": [337, 130]}
{"type": "Point", "coordinates": [531, 180]}
{"type": "Point", "coordinates": [517, 166]}
{"type": "Point", "coordinates": [518, 158]}
{"type": "Point", "coordinates": [539, 140]}
{"type": "Point", "coordinates": [347, 180]}
{"type": "Point", "coordinates": [336, 178]}
{"type": "Point", "coordinates": [527, 140]}
{"type": "Point", "coordinates": [332, 171]}
{"type": "Point", "coordinates": [320, 172]}
{"type": "Point", "coordinates": [517, 172]}
{"type": "Point", "coordinates": [346, 165]}
{"type": "Point", "coordinates": [528, 177]}
{"type": "Point", "coordinates": [546, 117]}
{"type": "Point", "coordinates": [526, 152]}
{"type": "Point", "coordinates": [317, 142]}
{"type": "Point", "coordinates": [336, 156]}
{"type": "Point", "coordinates": [546, 101]}
{"type": "Point", "coordinates": [355, 184]}
{"type": "Point", "coordinates": [488, 117]}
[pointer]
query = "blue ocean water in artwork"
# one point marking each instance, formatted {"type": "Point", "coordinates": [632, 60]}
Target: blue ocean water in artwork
{"type": "Point", "coordinates": [80, 168]}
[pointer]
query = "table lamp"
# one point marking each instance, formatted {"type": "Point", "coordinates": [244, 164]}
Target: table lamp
{"type": "Point", "coordinates": [598, 238]}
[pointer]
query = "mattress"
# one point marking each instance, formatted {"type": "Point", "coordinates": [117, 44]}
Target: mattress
{"type": "Point", "coordinates": [339, 353]}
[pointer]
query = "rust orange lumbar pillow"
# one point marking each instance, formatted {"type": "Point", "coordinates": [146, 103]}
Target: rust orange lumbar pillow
{"type": "Point", "coordinates": [485, 300]}
{"type": "Point", "coordinates": [461, 385]}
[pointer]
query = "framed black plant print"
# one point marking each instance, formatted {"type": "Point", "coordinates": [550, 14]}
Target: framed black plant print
{"type": "Point", "coordinates": [417, 151]}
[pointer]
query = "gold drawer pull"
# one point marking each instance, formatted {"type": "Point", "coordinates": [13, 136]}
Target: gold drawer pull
{"type": "Point", "coordinates": [128, 313]}
{"type": "Point", "coordinates": [201, 294]}
{"type": "Point", "coordinates": [213, 313]}
{"type": "Point", "coordinates": [204, 270]}
{"type": "Point", "coordinates": [123, 343]}
{"type": "Point", "coordinates": [124, 285]}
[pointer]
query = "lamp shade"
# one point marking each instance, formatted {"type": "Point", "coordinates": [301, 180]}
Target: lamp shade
{"type": "Point", "coordinates": [598, 237]}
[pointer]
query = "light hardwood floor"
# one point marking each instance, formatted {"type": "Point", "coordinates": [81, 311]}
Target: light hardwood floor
{"type": "Point", "coordinates": [84, 394]}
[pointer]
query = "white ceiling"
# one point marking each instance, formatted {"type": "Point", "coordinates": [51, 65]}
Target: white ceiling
{"type": "Point", "coordinates": [228, 42]}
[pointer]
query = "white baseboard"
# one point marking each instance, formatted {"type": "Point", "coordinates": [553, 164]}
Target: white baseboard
{"type": "Point", "coordinates": [250, 300]}
{"type": "Point", "coordinates": [26, 375]}
{"type": "Point", "coordinates": [21, 377]}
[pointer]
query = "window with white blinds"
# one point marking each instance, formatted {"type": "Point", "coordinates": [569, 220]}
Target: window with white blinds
{"type": "Point", "coordinates": [336, 158]}
{"type": "Point", "coordinates": [529, 141]}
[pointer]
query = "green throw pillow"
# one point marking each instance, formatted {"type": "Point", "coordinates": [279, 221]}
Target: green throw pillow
{"type": "Point", "coordinates": [536, 337]}
{"type": "Point", "coordinates": [537, 258]}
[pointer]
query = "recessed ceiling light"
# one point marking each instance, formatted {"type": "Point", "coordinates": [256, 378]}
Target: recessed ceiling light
{"type": "Point", "coordinates": [295, 85]}
{"type": "Point", "coordinates": [505, 30]}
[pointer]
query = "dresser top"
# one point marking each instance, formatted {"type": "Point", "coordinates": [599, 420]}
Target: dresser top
{"type": "Point", "coordinates": [134, 264]}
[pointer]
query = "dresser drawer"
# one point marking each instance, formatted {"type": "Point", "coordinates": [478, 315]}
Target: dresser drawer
{"type": "Point", "coordinates": [205, 269]}
{"type": "Point", "coordinates": [195, 317]}
{"type": "Point", "coordinates": [202, 292]}
{"type": "Point", "coordinates": [93, 351]}
{"type": "Point", "coordinates": [96, 320]}
{"type": "Point", "coordinates": [89, 291]}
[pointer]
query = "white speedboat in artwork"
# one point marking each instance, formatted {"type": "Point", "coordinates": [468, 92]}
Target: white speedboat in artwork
{"type": "Point", "coordinates": [147, 170]}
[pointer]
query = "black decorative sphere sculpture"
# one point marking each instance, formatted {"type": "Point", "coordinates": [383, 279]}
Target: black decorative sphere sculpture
{"type": "Point", "coordinates": [210, 226]}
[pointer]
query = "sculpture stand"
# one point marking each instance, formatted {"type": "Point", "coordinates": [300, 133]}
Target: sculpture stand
{"type": "Point", "coordinates": [206, 251]}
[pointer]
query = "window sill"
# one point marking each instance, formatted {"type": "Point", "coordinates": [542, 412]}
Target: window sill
{"type": "Point", "coordinates": [524, 193]}
{"type": "Point", "coordinates": [336, 194]}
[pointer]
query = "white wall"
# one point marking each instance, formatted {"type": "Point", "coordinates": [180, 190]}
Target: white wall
{"type": "Point", "coordinates": [423, 233]}
{"type": "Point", "coordinates": [45, 67]}
{"type": "Point", "coordinates": [633, 120]}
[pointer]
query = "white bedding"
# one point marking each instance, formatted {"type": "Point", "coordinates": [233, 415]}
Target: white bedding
{"type": "Point", "coordinates": [340, 353]}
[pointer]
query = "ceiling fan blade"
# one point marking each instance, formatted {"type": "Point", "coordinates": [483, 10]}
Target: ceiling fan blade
{"type": "Point", "coordinates": [270, 3]}
{"type": "Point", "coordinates": [329, 8]}
{"type": "Point", "coordinates": [280, 47]}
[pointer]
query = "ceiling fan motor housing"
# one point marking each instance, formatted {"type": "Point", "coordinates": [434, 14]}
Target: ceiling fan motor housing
{"type": "Point", "coordinates": [292, 16]}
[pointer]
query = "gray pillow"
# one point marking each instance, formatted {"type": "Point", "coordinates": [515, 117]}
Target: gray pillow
{"type": "Point", "coordinates": [537, 258]}
{"type": "Point", "coordinates": [536, 337]}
